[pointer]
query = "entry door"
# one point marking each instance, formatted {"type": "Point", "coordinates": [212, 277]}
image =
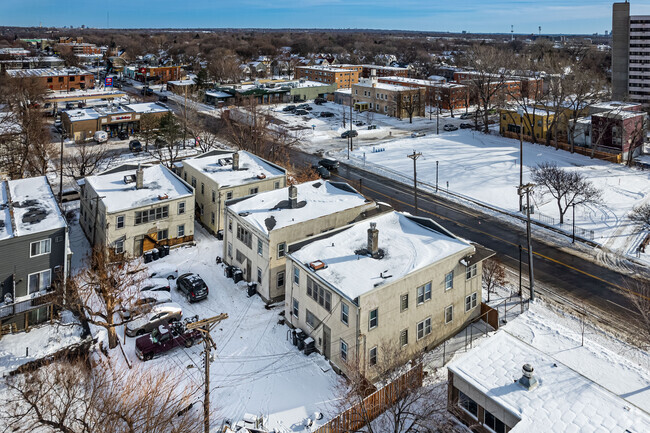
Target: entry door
{"type": "Point", "coordinates": [137, 246]}
{"type": "Point", "coordinates": [326, 341]}
{"type": "Point", "coordinates": [248, 270]}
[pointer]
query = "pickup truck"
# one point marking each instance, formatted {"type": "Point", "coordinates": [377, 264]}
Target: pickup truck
{"type": "Point", "coordinates": [164, 338]}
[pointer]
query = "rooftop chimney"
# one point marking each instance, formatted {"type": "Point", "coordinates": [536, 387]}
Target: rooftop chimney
{"type": "Point", "coordinates": [139, 178]}
{"type": "Point", "coordinates": [235, 161]}
{"type": "Point", "coordinates": [528, 381]}
{"type": "Point", "coordinates": [373, 239]}
{"type": "Point", "coordinates": [293, 197]}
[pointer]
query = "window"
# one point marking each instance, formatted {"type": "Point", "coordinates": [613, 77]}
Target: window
{"type": "Point", "coordinates": [254, 190]}
{"type": "Point", "coordinates": [493, 423]}
{"type": "Point", "coordinates": [212, 218]}
{"type": "Point", "coordinates": [280, 279]}
{"type": "Point", "coordinates": [201, 207]}
{"type": "Point", "coordinates": [193, 182]}
{"type": "Point", "coordinates": [404, 302]}
{"type": "Point", "coordinates": [181, 207]}
{"type": "Point", "coordinates": [214, 196]}
{"type": "Point", "coordinates": [345, 313]}
{"type": "Point", "coordinates": [259, 276]}
{"type": "Point", "coordinates": [49, 79]}
{"type": "Point", "coordinates": [119, 246]}
{"type": "Point", "coordinates": [39, 281]}
{"type": "Point", "coordinates": [228, 195]}
{"type": "Point", "coordinates": [119, 222]}
{"type": "Point", "coordinates": [229, 224]}
{"type": "Point", "coordinates": [39, 248]}
{"type": "Point", "coordinates": [244, 235]}
{"type": "Point", "coordinates": [470, 302]}
{"type": "Point", "coordinates": [281, 248]}
{"type": "Point", "coordinates": [229, 250]}
{"type": "Point", "coordinates": [296, 274]}
{"type": "Point", "coordinates": [467, 404]}
{"type": "Point", "coordinates": [295, 308]}
{"type": "Point", "coordinates": [163, 234]}
{"type": "Point", "coordinates": [344, 350]}
{"type": "Point", "coordinates": [471, 271]}
{"type": "Point", "coordinates": [181, 230]}
{"type": "Point", "coordinates": [449, 280]}
{"type": "Point", "coordinates": [260, 247]}
{"type": "Point", "coordinates": [202, 188]}
{"type": "Point", "coordinates": [372, 356]}
{"type": "Point", "coordinates": [449, 314]}
{"type": "Point", "coordinates": [319, 294]}
{"type": "Point", "coordinates": [373, 319]}
{"type": "Point", "coordinates": [424, 328]}
{"type": "Point", "coordinates": [145, 216]}
{"type": "Point", "coordinates": [276, 185]}
{"type": "Point", "coordinates": [424, 293]}
{"type": "Point", "coordinates": [404, 337]}
{"type": "Point", "coordinates": [312, 321]}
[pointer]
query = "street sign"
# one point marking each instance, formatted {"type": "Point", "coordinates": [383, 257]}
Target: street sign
{"type": "Point", "coordinates": [108, 82]}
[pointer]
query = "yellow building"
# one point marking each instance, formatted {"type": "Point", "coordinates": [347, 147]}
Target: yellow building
{"type": "Point", "coordinates": [536, 121]}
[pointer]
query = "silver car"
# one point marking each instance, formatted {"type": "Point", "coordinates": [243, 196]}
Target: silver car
{"type": "Point", "coordinates": [159, 314]}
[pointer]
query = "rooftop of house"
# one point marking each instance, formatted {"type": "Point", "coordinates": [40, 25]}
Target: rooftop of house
{"type": "Point", "coordinates": [31, 204]}
{"type": "Point", "coordinates": [270, 210]}
{"type": "Point", "coordinates": [148, 107]}
{"type": "Point", "coordinates": [618, 114]}
{"type": "Point", "coordinates": [331, 68]}
{"type": "Point", "coordinates": [410, 80]}
{"type": "Point", "coordinates": [564, 400]}
{"type": "Point", "coordinates": [218, 166]}
{"type": "Point", "coordinates": [46, 72]}
{"type": "Point", "coordinates": [81, 94]}
{"type": "Point", "coordinates": [119, 192]}
{"type": "Point", "coordinates": [368, 82]}
{"type": "Point", "coordinates": [406, 244]}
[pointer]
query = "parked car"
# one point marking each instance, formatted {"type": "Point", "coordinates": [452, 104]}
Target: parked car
{"type": "Point", "coordinates": [289, 108]}
{"type": "Point", "coordinates": [163, 98]}
{"type": "Point", "coordinates": [350, 133]}
{"type": "Point", "coordinates": [304, 107]}
{"type": "Point", "coordinates": [372, 127]}
{"type": "Point", "coordinates": [148, 91]}
{"type": "Point", "coordinates": [465, 116]}
{"type": "Point", "coordinates": [329, 163]}
{"type": "Point", "coordinates": [320, 101]}
{"type": "Point", "coordinates": [169, 274]}
{"type": "Point", "coordinates": [193, 286]}
{"type": "Point", "coordinates": [123, 135]}
{"type": "Point", "coordinates": [321, 171]}
{"type": "Point", "coordinates": [450, 127]}
{"type": "Point", "coordinates": [164, 338]}
{"type": "Point", "coordinates": [145, 302]}
{"type": "Point", "coordinates": [326, 114]}
{"type": "Point", "coordinates": [69, 195]}
{"type": "Point", "coordinates": [159, 314]}
{"type": "Point", "coordinates": [155, 285]}
{"type": "Point", "coordinates": [466, 126]}
{"type": "Point", "coordinates": [418, 134]}
{"type": "Point", "coordinates": [301, 112]}
{"type": "Point", "coordinates": [135, 146]}
{"type": "Point", "coordinates": [101, 136]}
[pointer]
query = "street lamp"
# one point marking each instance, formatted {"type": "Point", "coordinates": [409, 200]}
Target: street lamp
{"type": "Point", "coordinates": [573, 238]}
{"type": "Point", "coordinates": [414, 156]}
{"type": "Point", "coordinates": [526, 189]}
{"type": "Point", "coordinates": [437, 113]}
{"type": "Point", "coordinates": [436, 176]}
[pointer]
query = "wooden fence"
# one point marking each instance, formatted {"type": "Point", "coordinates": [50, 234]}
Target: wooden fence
{"type": "Point", "coordinates": [576, 149]}
{"type": "Point", "coordinates": [490, 315]}
{"type": "Point", "coordinates": [375, 404]}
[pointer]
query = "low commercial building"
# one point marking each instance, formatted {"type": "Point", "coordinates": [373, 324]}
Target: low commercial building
{"type": "Point", "coordinates": [393, 283]}
{"type": "Point", "coordinates": [221, 175]}
{"type": "Point", "coordinates": [134, 209]}
{"type": "Point", "coordinates": [343, 76]}
{"type": "Point", "coordinates": [68, 79]}
{"type": "Point", "coordinates": [34, 252]}
{"type": "Point", "coordinates": [260, 227]}
{"type": "Point", "coordinates": [389, 99]}
{"type": "Point", "coordinates": [153, 74]}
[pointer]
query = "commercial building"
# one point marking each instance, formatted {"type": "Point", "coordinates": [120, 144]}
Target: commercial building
{"type": "Point", "coordinates": [134, 209]}
{"type": "Point", "coordinates": [34, 252]}
{"type": "Point", "coordinates": [221, 175]}
{"type": "Point", "coordinates": [618, 132]}
{"type": "Point", "coordinates": [45, 62]}
{"type": "Point", "coordinates": [392, 282]}
{"type": "Point", "coordinates": [153, 74]}
{"type": "Point", "coordinates": [389, 99]}
{"type": "Point", "coordinates": [260, 227]}
{"type": "Point", "coordinates": [68, 79]}
{"type": "Point", "coordinates": [343, 76]}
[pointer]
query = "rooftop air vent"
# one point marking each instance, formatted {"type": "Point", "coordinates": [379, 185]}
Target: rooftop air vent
{"type": "Point", "coordinates": [528, 380]}
{"type": "Point", "coordinates": [129, 178]}
{"type": "Point", "coordinates": [317, 264]}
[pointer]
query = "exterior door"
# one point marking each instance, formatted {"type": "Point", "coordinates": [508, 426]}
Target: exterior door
{"type": "Point", "coordinates": [248, 270]}
{"type": "Point", "coordinates": [137, 246]}
{"type": "Point", "coordinates": [326, 342]}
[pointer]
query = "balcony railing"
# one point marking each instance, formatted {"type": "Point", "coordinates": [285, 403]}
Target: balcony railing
{"type": "Point", "coordinates": [7, 310]}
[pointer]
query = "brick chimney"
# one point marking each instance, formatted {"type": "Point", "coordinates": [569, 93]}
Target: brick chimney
{"type": "Point", "coordinates": [139, 178]}
{"type": "Point", "coordinates": [293, 197]}
{"type": "Point", "coordinates": [235, 161]}
{"type": "Point", "coordinates": [373, 239]}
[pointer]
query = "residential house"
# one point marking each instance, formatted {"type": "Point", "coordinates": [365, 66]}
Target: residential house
{"type": "Point", "coordinates": [391, 282]}
{"type": "Point", "coordinates": [260, 227]}
{"type": "Point", "coordinates": [221, 175]}
{"type": "Point", "coordinates": [619, 132]}
{"type": "Point", "coordinates": [134, 209]}
{"type": "Point", "coordinates": [34, 252]}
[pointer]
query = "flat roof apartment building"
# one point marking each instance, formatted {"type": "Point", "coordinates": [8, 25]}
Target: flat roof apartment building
{"type": "Point", "coordinates": [389, 99]}
{"type": "Point", "coordinates": [57, 79]}
{"type": "Point", "coordinates": [344, 76]}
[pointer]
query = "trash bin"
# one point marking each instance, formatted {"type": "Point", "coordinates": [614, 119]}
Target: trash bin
{"type": "Point", "coordinates": [294, 337]}
{"type": "Point", "coordinates": [229, 271]}
{"type": "Point", "coordinates": [148, 257]}
{"type": "Point", "coordinates": [164, 251]}
{"type": "Point", "coordinates": [310, 346]}
{"type": "Point", "coordinates": [252, 289]}
{"type": "Point", "coordinates": [220, 235]}
{"type": "Point", "coordinates": [155, 253]}
{"type": "Point", "coordinates": [238, 276]}
{"type": "Point", "coordinates": [301, 336]}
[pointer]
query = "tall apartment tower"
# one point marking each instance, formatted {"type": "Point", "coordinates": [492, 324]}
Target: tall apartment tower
{"type": "Point", "coordinates": [630, 55]}
{"type": "Point", "coordinates": [620, 49]}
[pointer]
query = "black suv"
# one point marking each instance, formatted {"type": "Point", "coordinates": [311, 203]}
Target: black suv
{"type": "Point", "coordinates": [328, 163]}
{"type": "Point", "coordinates": [192, 286]}
{"type": "Point", "coordinates": [135, 146]}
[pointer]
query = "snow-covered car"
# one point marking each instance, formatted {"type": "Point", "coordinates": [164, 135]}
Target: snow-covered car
{"type": "Point", "coordinates": [170, 274]}
{"type": "Point", "coordinates": [450, 127]}
{"type": "Point", "coordinates": [465, 116]}
{"type": "Point", "coordinates": [145, 302]}
{"type": "Point", "coordinates": [159, 314]}
{"type": "Point", "coordinates": [164, 338]}
{"type": "Point", "coordinates": [418, 134]}
{"type": "Point", "coordinates": [465, 125]}
{"type": "Point", "coordinates": [155, 285]}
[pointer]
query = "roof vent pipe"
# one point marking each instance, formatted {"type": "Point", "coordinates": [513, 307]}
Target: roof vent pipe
{"type": "Point", "coordinates": [373, 239]}
{"type": "Point", "coordinates": [139, 178]}
{"type": "Point", "coordinates": [235, 161]}
{"type": "Point", "coordinates": [293, 197]}
{"type": "Point", "coordinates": [528, 380]}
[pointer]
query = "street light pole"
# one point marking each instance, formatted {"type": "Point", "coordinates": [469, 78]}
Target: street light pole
{"type": "Point", "coordinates": [414, 156]}
{"type": "Point", "coordinates": [525, 189]}
{"type": "Point", "coordinates": [521, 157]}
{"type": "Point", "coordinates": [573, 238]}
{"type": "Point", "coordinates": [437, 113]}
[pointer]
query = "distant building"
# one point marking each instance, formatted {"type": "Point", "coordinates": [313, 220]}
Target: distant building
{"type": "Point", "coordinates": [57, 79]}
{"type": "Point", "coordinates": [343, 76]}
{"type": "Point", "coordinates": [536, 122]}
{"type": "Point", "coordinates": [383, 71]}
{"type": "Point", "coordinates": [153, 74]}
{"type": "Point", "coordinates": [389, 99]}
{"type": "Point", "coordinates": [452, 96]}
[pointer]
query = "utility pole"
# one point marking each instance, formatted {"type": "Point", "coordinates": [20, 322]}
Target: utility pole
{"type": "Point", "coordinates": [521, 157]}
{"type": "Point", "coordinates": [520, 293]}
{"type": "Point", "coordinates": [204, 327]}
{"type": "Point", "coordinates": [436, 176]}
{"type": "Point", "coordinates": [573, 238]}
{"type": "Point", "coordinates": [525, 189]}
{"type": "Point", "coordinates": [185, 116]}
{"type": "Point", "coordinates": [61, 169]}
{"type": "Point", "coordinates": [414, 156]}
{"type": "Point", "coordinates": [437, 113]}
{"type": "Point", "coordinates": [350, 148]}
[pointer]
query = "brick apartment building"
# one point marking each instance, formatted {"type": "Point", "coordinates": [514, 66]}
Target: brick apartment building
{"type": "Point", "coordinates": [383, 71]}
{"type": "Point", "coordinates": [344, 76]}
{"type": "Point", "coordinates": [452, 96]}
{"type": "Point", "coordinates": [393, 100]}
{"type": "Point", "coordinates": [156, 74]}
{"type": "Point", "coordinates": [57, 79]}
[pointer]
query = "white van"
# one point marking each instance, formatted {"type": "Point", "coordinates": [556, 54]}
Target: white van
{"type": "Point", "coordinates": [101, 136]}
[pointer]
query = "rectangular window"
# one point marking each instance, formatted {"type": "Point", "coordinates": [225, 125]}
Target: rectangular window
{"type": "Point", "coordinates": [295, 310]}
{"type": "Point", "coordinates": [470, 271]}
{"type": "Point", "coordinates": [344, 350]}
{"type": "Point", "coordinates": [296, 274]}
{"type": "Point", "coordinates": [193, 182]}
{"type": "Point", "coordinates": [228, 195]}
{"type": "Point", "coordinates": [201, 207]}
{"type": "Point", "coordinates": [404, 337]}
{"type": "Point", "coordinates": [345, 313]}
{"type": "Point", "coordinates": [229, 224]}
{"type": "Point", "coordinates": [424, 293]}
{"type": "Point", "coordinates": [244, 235]}
{"type": "Point", "coordinates": [281, 248]}
{"type": "Point", "coordinates": [312, 321]}
{"type": "Point", "coordinates": [373, 319]}
{"type": "Point", "coordinates": [372, 356]}
{"type": "Point", "coordinates": [214, 196]}
{"type": "Point", "coordinates": [229, 250]}
{"type": "Point", "coordinates": [449, 314]}
{"type": "Point", "coordinates": [119, 221]}
{"type": "Point", "coordinates": [280, 279]}
{"type": "Point", "coordinates": [162, 234]}
{"type": "Point", "coordinates": [259, 276]}
{"type": "Point", "coordinates": [424, 328]}
{"type": "Point", "coordinates": [322, 296]}
{"type": "Point", "coordinates": [39, 248]}
{"type": "Point", "coordinates": [276, 185]}
{"type": "Point", "coordinates": [202, 188]}
{"type": "Point", "coordinates": [119, 246]}
{"type": "Point", "coordinates": [449, 280]}
{"type": "Point", "coordinates": [404, 302]}
{"type": "Point", "coordinates": [470, 302]}
{"type": "Point", "coordinates": [212, 218]}
{"type": "Point", "coordinates": [181, 207]}
{"type": "Point", "coordinates": [254, 190]}
{"type": "Point", "coordinates": [181, 230]}
{"type": "Point", "coordinates": [468, 404]}
{"type": "Point", "coordinates": [493, 423]}
{"type": "Point", "coordinates": [39, 281]}
{"type": "Point", "coordinates": [260, 247]}
{"type": "Point", "coordinates": [145, 216]}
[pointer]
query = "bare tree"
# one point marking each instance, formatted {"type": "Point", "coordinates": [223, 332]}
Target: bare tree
{"type": "Point", "coordinates": [412, 102]}
{"type": "Point", "coordinates": [224, 67]}
{"type": "Point", "coordinates": [68, 56]}
{"type": "Point", "coordinates": [149, 125]}
{"type": "Point", "coordinates": [638, 293]}
{"type": "Point", "coordinates": [494, 275]}
{"type": "Point", "coordinates": [86, 160]}
{"type": "Point", "coordinates": [568, 188]}
{"type": "Point", "coordinates": [168, 149]}
{"type": "Point", "coordinates": [641, 214]}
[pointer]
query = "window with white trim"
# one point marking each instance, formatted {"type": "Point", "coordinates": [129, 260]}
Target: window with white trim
{"type": "Point", "coordinates": [404, 337]}
{"type": "Point", "coordinates": [39, 248]}
{"type": "Point", "coordinates": [344, 350]}
{"type": "Point", "coordinates": [372, 356]}
{"type": "Point", "coordinates": [470, 272]}
{"type": "Point", "coordinates": [449, 314]}
{"type": "Point", "coordinates": [163, 234]}
{"type": "Point", "coordinates": [281, 249]}
{"type": "Point", "coordinates": [404, 302]}
{"type": "Point", "coordinates": [449, 280]}
{"type": "Point", "coordinates": [280, 279]}
{"type": "Point", "coordinates": [296, 275]}
{"type": "Point", "coordinates": [181, 207]}
{"type": "Point", "coordinates": [39, 281]}
{"type": "Point", "coordinates": [119, 246]}
{"type": "Point", "coordinates": [373, 319]}
{"type": "Point", "coordinates": [119, 222]}
{"type": "Point", "coordinates": [345, 313]}
{"type": "Point", "coordinates": [295, 310]}
{"type": "Point", "coordinates": [181, 230]}
{"type": "Point", "coordinates": [424, 328]}
{"type": "Point", "coordinates": [259, 276]}
{"type": "Point", "coordinates": [470, 302]}
{"type": "Point", "coordinates": [311, 320]}
{"type": "Point", "coordinates": [424, 293]}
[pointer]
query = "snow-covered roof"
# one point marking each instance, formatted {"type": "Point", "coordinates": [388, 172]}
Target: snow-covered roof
{"type": "Point", "coordinates": [218, 94]}
{"type": "Point", "coordinates": [269, 210]}
{"type": "Point", "coordinates": [33, 206]}
{"type": "Point", "coordinates": [407, 246]}
{"type": "Point", "coordinates": [159, 181]}
{"type": "Point", "coordinates": [385, 68]}
{"type": "Point", "coordinates": [367, 82]}
{"type": "Point", "coordinates": [615, 105]}
{"type": "Point", "coordinates": [419, 82]}
{"type": "Point", "coordinates": [564, 400]}
{"type": "Point", "coordinates": [79, 114]}
{"type": "Point", "coordinates": [46, 72]}
{"type": "Point", "coordinates": [252, 168]}
{"type": "Point", "coordinates": [148, 107]}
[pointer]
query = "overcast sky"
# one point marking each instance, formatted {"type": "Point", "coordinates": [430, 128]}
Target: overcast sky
{"type": "Point", "coordinates": [493, 16]}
